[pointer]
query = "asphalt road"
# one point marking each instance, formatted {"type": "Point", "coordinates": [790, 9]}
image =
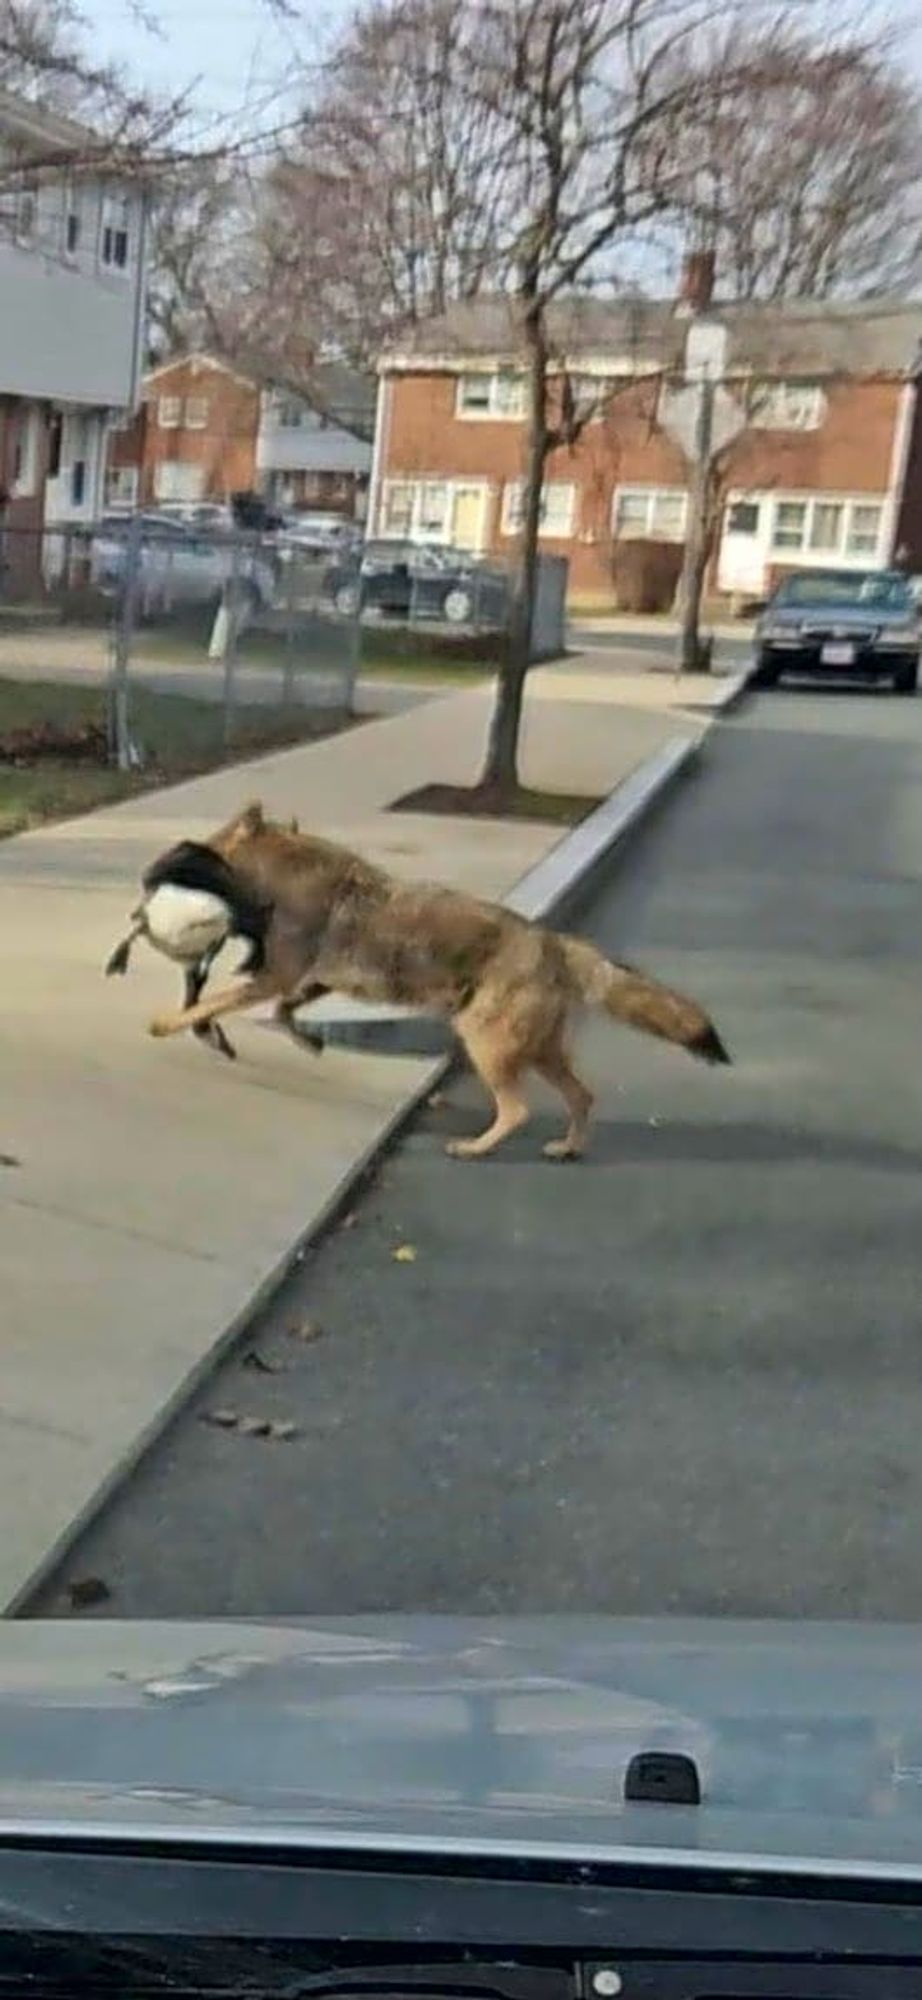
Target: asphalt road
{"type": "Point", "coordinates": [685, 1376]}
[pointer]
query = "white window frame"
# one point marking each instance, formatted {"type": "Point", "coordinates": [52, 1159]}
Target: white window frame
{"type": "Point", "coordinates": [25, 484]}
{"type": "Point", "coordinates": [843, 552]}
{"type": "Point", "coordinates": [169, 413]}
{"type": "Point", "coordinates": [114, 231]}
{"type": "Point", "coordinates": [497, 409]}
{"type": "Point", "coordinates": [551, 531]}
{"type": "Point", "coordinates": [196, 413]}
{"type": "Point", "coordinates": [786, 406]}
{"type": "Point", "coordinates": [122, 485]}
{"type": "Point", "coordinates": [420, 492]}
{"type": "Point", "coordinates": [27, 211]}
{"type": "Point", "coordinates": [651, 496]}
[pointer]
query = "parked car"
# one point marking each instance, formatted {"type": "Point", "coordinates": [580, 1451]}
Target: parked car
{"type": "Point", "coordinates": [418, 579]}
{"type": "Point", "coordinates": [830, 622]}
{"type": "Point", "coordinates": [179, 565]}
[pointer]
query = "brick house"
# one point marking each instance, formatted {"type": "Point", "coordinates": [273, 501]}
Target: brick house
{"type": "Point", "coordinates": [827, 467]}
{"type": "Point", "coordinates": [205, 430]}
{"type": "Point", "coordinates": [72, 280]}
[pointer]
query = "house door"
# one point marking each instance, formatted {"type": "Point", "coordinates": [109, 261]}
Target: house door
{"type": "Point", "coordinates": [468, 516]}
{"type": "Point", "coordinates": [743, 554]}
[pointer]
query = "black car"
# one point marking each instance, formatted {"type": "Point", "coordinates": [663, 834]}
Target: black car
{"type": "Point", "coordinates": [830, 623]}
{"type": "Point", "coordinates": [403, 579]}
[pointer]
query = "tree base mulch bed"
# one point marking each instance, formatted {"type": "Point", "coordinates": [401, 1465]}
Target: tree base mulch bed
{"type": "Point", "coordinates": [488, 802]}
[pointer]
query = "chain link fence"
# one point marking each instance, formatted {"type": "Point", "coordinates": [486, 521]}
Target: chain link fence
{"type": "Point", "coordinates": [183, 646]}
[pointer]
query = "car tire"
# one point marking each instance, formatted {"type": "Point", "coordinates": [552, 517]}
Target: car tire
{"type": "Point", "coordinates": [906, 677]}
{"type": "Point", "coordinates": [346, 599]}
{"type": "Point", "coordinates": [768, 671]}
{"type": "Point", "coordinates": [457, 605]}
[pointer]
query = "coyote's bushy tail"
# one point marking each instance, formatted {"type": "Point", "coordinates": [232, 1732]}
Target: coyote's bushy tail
{"type": "Point", "coordinates": [641, 1002]}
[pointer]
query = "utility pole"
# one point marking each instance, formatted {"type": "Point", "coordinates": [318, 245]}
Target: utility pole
{"type": "Point", "coordinates": [688, 652]}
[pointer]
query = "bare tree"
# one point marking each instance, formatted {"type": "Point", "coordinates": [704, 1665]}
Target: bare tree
{"type": "Point", "coordinates": [387, 205]}
{"type": "Point", "coordinates": [195, 228]}
{"type": "Point", "coordinates": [806, 170]}
{"type": "Point", "coordinates": [583, 95]}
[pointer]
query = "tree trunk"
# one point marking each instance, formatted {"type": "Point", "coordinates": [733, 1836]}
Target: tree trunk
{"type": "Point", "coordinates": [501, 768]}
{"type": "Point", "coordinates": [696, 535]}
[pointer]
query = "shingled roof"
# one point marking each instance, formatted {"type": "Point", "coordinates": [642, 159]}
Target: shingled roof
{"type": "Point", "coordinates": [808, 337]}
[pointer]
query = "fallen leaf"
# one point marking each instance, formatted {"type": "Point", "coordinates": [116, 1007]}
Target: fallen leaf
{"type": "Point", "coordinates": [9, 1160]}
{"type": "Point", "coordinates": [259, 1363]}
{"type": "Point", "coordinates": [305, 1329]}
{"type": "Point", "coordinates": [254, 1427]}
{"type": "Point", "coordinates": [437, 1100]}
{"type": "Point", "coordinates": [87, 1590]}
{"type": "Point", "coordinates": [284, 1430]}
{"type": "Point", "coordinates": [349, 1221]}
{"type": "Point", "coordinates": [404, 1254]}
{"type": "Point", "coordinates": [223, 1420]}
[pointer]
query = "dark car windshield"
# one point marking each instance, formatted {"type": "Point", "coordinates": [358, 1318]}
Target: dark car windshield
{"type": "Point", "coordinates": [882, 589]}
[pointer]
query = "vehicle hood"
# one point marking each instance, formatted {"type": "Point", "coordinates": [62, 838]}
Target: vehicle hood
{"type": "Point", "coordinates": [488, 1737]}
{"type": "Point", "coordinates": [856, 617]}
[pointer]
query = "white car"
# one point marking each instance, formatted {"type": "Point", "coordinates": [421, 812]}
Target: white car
{"type": "Point", "coordinates": [179, 565]}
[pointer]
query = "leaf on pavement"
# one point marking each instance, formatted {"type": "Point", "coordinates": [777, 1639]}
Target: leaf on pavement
{"type": "Point", "coordinates": [222, 1420]}
{"type": "Point", "coordinates": [87, 1590]}
{"type": "Point", "coordinates": [254, 1427]}
{"type": "Point", "coordinates": [259, 1364]}
{"type": "Point", "coordinates": [305, 1329]}
{"type": "Point", "coordinates": [284, 1430]}
{"type": "Point", "coordinates": [404, 1254]}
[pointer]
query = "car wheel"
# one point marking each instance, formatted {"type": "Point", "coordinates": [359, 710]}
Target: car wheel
{"type": "Point", "coordinates": [906, 677]}
{"type": "Point", "coordinates": [457, 605]}
{"type": "Point", "coordinates": [346, 599]}
{"type": "Point", "coordinates": [768, 671]}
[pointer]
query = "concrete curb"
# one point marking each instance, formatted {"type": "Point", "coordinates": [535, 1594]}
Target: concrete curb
{"type": "Point", "coordinates": [551, 887]}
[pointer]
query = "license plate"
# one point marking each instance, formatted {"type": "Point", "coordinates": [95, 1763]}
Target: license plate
{"type": "Point", "coordinates": [838, 655]}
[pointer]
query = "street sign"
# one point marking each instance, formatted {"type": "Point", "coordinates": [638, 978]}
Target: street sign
{"type": "Point", "coordinates": [678, 415]}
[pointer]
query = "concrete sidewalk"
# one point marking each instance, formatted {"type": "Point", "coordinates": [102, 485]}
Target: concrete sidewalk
{"type": "Point", "coordinates": [157, 1189]}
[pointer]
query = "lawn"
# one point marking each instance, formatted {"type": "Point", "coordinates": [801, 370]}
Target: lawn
{"type": "Point", "coordinates": [180, 737]}
{"type": "Point", "coordinates": [387, 652]}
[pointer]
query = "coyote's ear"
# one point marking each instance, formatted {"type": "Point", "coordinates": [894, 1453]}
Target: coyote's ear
{"type": "Point", "coordinates": [251, 819]}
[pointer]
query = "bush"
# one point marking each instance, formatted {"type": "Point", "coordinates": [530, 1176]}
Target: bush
{"type": "Point", "coordinates": [646, 574]}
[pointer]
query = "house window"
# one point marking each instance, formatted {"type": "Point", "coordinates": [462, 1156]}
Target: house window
{"type": "Point", "coordinates": [655, 513]}
{"type": "Point", "coordinates": [26, 455]}
{"type": "Point", "coordinates": [169, 413]}
{"type": "Point", "coordinates": [173, 480]}
{"type": "Point", "coordinates": [431, 517]}
{"type": "Point", "coordinates": [430, 510]}
{"type": "Point", "coordinates": [27, 211]}
{"type": "Point", "coordinates": [787, 406]}
{"type": "Point", "coordinates": [557, 509]}
{"type": "Point", "coordinates": [501, 395]}
{"type": "Point", "coordinates": [743, 518]}
{"type": "Point", "coordinates": [863, 531]}
{"type": "Point", "coordinates": [828, 527]}
{"type": "Point", "coordinates": [122, 485]}
{"type": "Point", "coordinates": [55, 440]}
{"type": "Point", "coordinates": [790, 525]}
{"type": "Point", "coordinates": [397, 508]}
{"type": "Point", "coordinates": [197, 408]}
{"type": "Point", "coordinates": [826, 518]}
{"type": "Point", "coordinates": [114, 236]}
{"type": "Point", "coordinates": [78, 482]}
{"type": "Point", "coordinates": [290, 414]}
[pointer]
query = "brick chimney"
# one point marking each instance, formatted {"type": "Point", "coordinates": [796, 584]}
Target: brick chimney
{"type": "Point", "coordinates": [696, 286]}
